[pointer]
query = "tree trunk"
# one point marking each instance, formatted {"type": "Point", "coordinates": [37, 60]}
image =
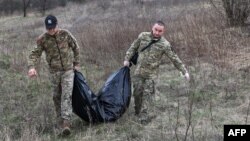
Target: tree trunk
{"type": "Point", "coordinates": [63, 2]}
{"type": "Point", "coordinates": [24, 12]}
{"type": "Point", "coordinates": [11, 7]}
{"type": "Point", "coordinates": [237, 11]}
{"type": "Point", "coordinates": [25, 6]}
{"type": "Point", "coordinates": [43, 7]}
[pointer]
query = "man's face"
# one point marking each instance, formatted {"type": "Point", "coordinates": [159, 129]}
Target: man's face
{"type": "Point", "coordinates": [157, 30]}
{"type": "Point", "coordinates": [52, 31]}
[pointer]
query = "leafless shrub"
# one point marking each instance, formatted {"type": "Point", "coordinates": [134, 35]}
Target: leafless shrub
{"type": "Point", "coordinates": [199, 36]}
{"type": "Point", "coordinates": [237, 11]}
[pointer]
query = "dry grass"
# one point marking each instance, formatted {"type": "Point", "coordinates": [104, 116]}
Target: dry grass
{"type": "Point", "coordinates": [216, 56]}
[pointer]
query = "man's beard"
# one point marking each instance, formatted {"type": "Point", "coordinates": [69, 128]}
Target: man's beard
{"type": "Point", "coordinates": [155, 37]}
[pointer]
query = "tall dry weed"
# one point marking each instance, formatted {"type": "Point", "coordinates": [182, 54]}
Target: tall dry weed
{"type": "Point", "coordinates": [105, 31]}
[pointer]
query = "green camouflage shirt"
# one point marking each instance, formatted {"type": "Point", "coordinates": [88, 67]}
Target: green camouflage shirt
{"type": "Point", "coordinates": [149, 60]}
{"type": "Point", "coordinates": [59, 49]}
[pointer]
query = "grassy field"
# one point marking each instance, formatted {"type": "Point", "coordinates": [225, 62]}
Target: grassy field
{"type": "Point", "coordinates": [217, 57]}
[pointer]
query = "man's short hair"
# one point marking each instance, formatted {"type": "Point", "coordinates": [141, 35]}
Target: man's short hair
{"type": "Point", "coordinates": [161, 23]}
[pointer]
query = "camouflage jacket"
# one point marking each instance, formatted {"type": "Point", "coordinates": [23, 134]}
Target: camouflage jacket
{"type": "Point", "coordinates": [58, 49]}
{"type": "Point", "coordinates": [149, 60]}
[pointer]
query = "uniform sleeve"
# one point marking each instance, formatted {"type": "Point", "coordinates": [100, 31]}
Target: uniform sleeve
{"type": "Point", "coordinates": [133, 48]}
{"type": "Point", "coordinates": [175, 59]}
{"type": "Point", "coordinates": [35, 55]}
{"type": "Point", "coordinates": [76, 50]}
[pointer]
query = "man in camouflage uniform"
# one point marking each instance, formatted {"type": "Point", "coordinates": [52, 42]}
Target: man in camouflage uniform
{"type": "Point", "coordinates": [62, 55]}
{"type": "Point", "coordinates": [147, 66]}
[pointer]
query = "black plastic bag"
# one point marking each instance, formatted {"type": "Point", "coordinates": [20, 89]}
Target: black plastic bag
{"type": "Point", "coordinates": [109, 104]}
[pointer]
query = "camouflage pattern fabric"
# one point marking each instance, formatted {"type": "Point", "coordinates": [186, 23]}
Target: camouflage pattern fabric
{"type": "Point", "coordinates": [144, 96]}
{"type": "Point", "coordinates": [62, 53]}
{"type": "Point", "coordinates": [149, 60]}
{"type": "Point", "coordinates": [62, 83]}
{"type": "Point", "coordinates": [146, 70]}
{"type": "Point", "coordinates": [58, 49]}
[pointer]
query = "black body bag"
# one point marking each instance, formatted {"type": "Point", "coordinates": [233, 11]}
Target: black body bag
{"type": "Point", "coordinates": [109, 104]}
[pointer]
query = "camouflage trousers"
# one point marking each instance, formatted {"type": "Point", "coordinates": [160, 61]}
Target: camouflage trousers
{"type": "Point", "coordinates": [62, 83]}
{"type": "Point", "coordinates": [144, 96]}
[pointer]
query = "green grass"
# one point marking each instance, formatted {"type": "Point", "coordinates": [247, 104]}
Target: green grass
{"type": "Point", "coordinates": [218, 90]}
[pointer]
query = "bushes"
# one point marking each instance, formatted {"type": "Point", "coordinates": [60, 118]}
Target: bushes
{"type": "Point", "coordinates": [8, 7]}
{"type": "Point", "coordinates": [237, 11]}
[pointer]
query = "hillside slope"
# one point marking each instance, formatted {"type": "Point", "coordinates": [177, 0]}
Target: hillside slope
{"type": "Point", "coordinates": [216, 56]}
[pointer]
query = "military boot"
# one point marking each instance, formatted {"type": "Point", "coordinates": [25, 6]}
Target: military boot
{"type": "Point", "coordinates": [66, 128]}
